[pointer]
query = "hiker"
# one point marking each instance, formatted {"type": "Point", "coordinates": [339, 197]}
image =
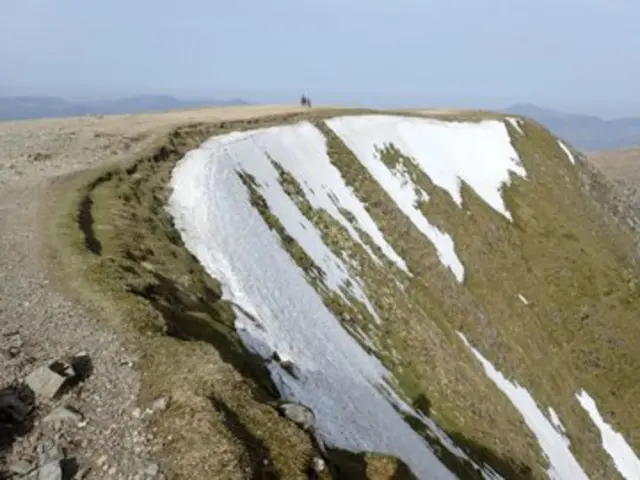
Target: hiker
{"type": "Point", "coordinates": [303, 101]}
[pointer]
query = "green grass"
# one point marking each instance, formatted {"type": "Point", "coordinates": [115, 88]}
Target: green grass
{"type": "Point", "coordinates": [544, 346]}
{"type": "Point", "coordinates": [563, 252]}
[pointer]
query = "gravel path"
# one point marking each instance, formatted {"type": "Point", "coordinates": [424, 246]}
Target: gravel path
{"type": "Point", "coordinates": [43, 326]}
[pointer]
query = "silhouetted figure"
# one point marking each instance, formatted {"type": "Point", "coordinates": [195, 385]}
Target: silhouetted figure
{"type": "Point", "coordinates": [305, 101]}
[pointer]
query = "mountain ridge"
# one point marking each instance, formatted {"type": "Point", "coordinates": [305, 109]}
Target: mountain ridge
{"type": "Point", "coordinates": [559, 303]}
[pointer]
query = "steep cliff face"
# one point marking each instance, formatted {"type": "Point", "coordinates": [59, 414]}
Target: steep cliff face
{"type": "Point", "coordinates": [449, 292]}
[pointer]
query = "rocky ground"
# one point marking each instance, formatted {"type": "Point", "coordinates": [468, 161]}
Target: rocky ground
{"type": "Point", "coordinates": [89, 427]}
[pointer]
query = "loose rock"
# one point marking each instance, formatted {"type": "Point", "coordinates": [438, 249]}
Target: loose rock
{"type": "Point", "coordinates": [318, 464]}
{"type": "Point", "coordinates": [50, 471]}
{"type": "Point", "coordinates": [17, 404]}
{"type": "Point", "coordinates": [45, 382]}
{"type": "Point", "coordinates": [160, 404]}
{"type": "Point", "coordinates": [62, 416]}
{"type": "Point", "coordinates": [22, 468]}
{"type": "Point", "coordinates": [82, 366]}
{"type": "Point", "coordinates": [299, 414]}
{"type": "Point", "coordinates": [13, 343]}
{"type": "Point", "coordinates": [152, 470]}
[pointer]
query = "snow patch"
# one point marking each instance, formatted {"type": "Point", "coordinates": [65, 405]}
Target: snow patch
{"type": "Point", "coordinates": [555, 420]}
{"type": "Point", "coordinates": [478, 153]}
{"type": "Point", "coordinates": [278, 310]}
{"type": "Point", "coordinates": [567, 152]}
{"type": "Point", "coordinates": [252, 152]}
{"type": "Point", "coordinates": [359, 134]}
{"type": "Point", "coordinates": [515, 122]}
{"type": "Point", "coordinates": [562, 463]}
{"type": "Point", "coordinates": [301, 150]}
{"type": "Point", "coordinates": [623, 456]}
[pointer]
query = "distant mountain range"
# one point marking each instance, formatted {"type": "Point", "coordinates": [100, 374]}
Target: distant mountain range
{"type": "Point", "coordinates": [28, 107]}
{"type": "Point", "coordinates": [585, 132]}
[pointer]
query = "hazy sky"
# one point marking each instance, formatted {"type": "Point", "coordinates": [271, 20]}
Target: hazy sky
{"type": "Point", "coordinates": [574, 54]}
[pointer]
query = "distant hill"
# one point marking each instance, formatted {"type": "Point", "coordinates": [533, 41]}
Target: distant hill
{"type": "Point", "coordinates": [29, 107]}
{"type": "Point", "coordinates": [585, 132]}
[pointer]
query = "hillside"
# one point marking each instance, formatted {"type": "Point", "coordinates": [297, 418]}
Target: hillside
{"type": "Point", "coordinates": [451, 296]}
{"type": "Point", "coordinates": [619, 165]}
{"type": "Point", "coordinates": [587, 132]}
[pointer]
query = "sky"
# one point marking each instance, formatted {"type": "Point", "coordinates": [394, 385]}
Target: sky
{"type": "Point", "coordinates": [577, 55]}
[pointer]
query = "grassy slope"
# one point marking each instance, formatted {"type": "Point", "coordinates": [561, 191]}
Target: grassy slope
{"type": "Point", "coordinates": [577, 332]}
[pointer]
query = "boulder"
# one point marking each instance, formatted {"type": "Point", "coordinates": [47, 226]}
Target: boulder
{"type": "Point", "coordinates": [16, 404]}
{"type": "Point", "coordinates": [17, 407]}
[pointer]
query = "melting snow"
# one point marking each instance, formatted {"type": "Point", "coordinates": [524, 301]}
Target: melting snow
{"type": "Point", "coordinates": [301, 150]}
{"type": "Point", "coordinates": [555, 420]}
{"type": "Point", "coordinates": [360, 140]}
{"type": "Point", "coordinates": [341, 383]}
{"type": "Point", "coordinates": [623, 456]}
{"type": "Point", "coordinates": [567, 152]}
{"type": "Point", "coordinates": [562, 463]}
{"type": "Point", "coordinates": [479, 154]}
{"type": "Point", "coordinates": [516, 124]}
{"type": "Point", "coordinates": [252, 152]}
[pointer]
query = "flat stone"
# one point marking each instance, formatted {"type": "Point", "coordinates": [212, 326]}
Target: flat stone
{"type": "Point", "coordinates": [48, 452]}
{"type": "Point", "coordinates": [51, 471]}
{"type": "Point", "coordinates": [45, 382]}
{"type": "Point", "coordinates": [61, 416]}
{"type": "Point", "coordinates": [152, 470]}
{"type": "Point", "coordinates": [22, 468]}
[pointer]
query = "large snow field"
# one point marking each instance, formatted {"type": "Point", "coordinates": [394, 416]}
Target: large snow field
{"type": "Point", "coordinates": [345, 387]}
